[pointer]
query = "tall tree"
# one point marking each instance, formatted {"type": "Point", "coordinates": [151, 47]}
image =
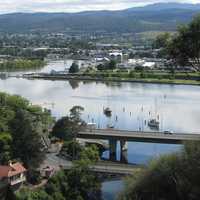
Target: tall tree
{"type": "Point", "coordinates": [28, 145]}
{"type": "Point", "coordinates": [67, 127]}
{"type": "Point", "coordinates": [5, 147]}
{"type": "Point", "coordinates": [74, 68]}
{"type": "Point", "coordinates": [184, 48]}
{"type": "Point", "coordinates": [171, 177]}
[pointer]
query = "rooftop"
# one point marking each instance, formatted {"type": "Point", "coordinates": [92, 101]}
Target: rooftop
{"type": "Point", "coordinates": [11, 170]}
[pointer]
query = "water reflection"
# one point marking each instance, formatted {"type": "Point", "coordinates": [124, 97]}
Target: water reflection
{"type": "Point", "coordinates": [74, 84]}
{"type": "Point", "coordinates": [111, 189]}
{"type": "Point", "coordinates": [178, 106]}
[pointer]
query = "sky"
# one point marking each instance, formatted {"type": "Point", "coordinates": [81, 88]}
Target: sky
{"type": "Point", "coordinates": [10, 6]}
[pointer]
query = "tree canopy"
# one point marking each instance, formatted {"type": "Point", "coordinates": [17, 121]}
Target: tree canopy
{"type": "Point", "coordinates": [22, 129]}
{"type": "Point", "coordinates": [74, 68]}
{"type": "Point", "coordinates": [171, 177]}
{"type": "Point", "coordinates": [78, 183]}
{"type": "Point", "coordinates": [183, 48]}
{"type": "Point", "coordinates": [67, 127]}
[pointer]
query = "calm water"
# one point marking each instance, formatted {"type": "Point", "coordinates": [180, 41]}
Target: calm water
{"type": "Point", "coordinates": [111, 189]}
{"type": "Point", "coordinates": [132, 104]}
{"type": "Point", "coordinates": [58, 65]}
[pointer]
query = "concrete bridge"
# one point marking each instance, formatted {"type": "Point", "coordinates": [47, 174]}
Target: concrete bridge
{"type": "Point", "coordinates": [123, 136]}
{"type": "Point", "coordinates": [112, 168]}
{"type": "Point", "coordinates": [103, 167]}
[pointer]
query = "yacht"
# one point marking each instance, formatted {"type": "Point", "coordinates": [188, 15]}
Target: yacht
{"type": "Point", "coordinates": [107, 112]}
{"type": "Point", "coordinates": [154, 124]}
{"type": "Point", "coordinates": [110, 126]}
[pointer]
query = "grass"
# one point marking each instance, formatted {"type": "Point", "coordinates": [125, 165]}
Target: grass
{"type": "Point", "coordinates": [147, 77]}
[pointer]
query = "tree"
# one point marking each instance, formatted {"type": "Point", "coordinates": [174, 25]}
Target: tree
{"type": "Point", "coordinates": [72, 149]}
{"type": "Point", "coordinates": [26, 133]}
{"type": "Point", "coordinates": [171, 177]}
{"type": "Point", "coordinates": [63, 129]}
{"type": "Point", "coordinates": [90, 153]}
{"type": "Point", "coordinates": [67, 127]}
{"type": "Point", "coordinates": [5, 147]}
{"type": "Point", "coordinates": [184, 48]}
{"type": "Point", "coordinates": [101, 67]}
{"type": "Point", "coordinates": [162, 40]}
{"type": "Point", "coordinates": [82, 183]}
{"type": "Point", "coordinates": [75, 113]}
{"type": "Point", "coordinates": [26, 194]}
{"type": "Point", "coordinates": [112, 65]}
{"type": "Point", "coordinates": [74, 68]}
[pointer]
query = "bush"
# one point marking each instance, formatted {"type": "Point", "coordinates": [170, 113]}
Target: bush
{"type": "Point", "coordinates": [171, 177]}
{"type": "Point", "coordinates": [74, 68]}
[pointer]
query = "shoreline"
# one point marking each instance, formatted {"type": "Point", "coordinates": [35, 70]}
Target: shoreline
{"type": "Point", "coordinates": [122, 80]}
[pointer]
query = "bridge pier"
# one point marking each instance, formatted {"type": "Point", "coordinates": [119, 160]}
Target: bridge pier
{"type": "Point", "coordinates": [124, 149]}
{"type": "Point", "coordinates": [124, 157]}
{"type": "Point", "coordinates": [113, 149]}
{"type": "Point", "coordinates": [123, 145]}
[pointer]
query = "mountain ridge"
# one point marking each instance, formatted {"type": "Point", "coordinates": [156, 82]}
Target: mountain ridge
{"type": "Point", "coordinates": [154, 17]}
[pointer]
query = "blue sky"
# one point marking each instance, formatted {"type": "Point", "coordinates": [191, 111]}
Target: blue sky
{"type": "Point", "coordinates": [9, 6]}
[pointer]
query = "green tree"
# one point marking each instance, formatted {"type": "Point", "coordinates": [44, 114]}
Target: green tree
{"type": "Point", "coordinates": [171, 177]}
{"type": "Point", "coordinates": [72, 149]}
{"type": "Point", "coordinates": [101, 67]}
{"type": "Point", "coordinates": [112, 64]}
{"type": "Point", "coordinates": [74, 68]}
{"type": "Point", "coordinates": [26, 135]}
{"type": "Point", "coordinates": [63, 129]}
{"type": "Point", "coordinates": [90, 153]}
{"type": "Point", "coordinates": [66, 128]}
{"type": "Point", "coordinates": [184, 48]}
{"type": "Point", "coordinates": [82, 183]}
{"type": "Point", "coordinates": [162, 40]}
{"type": "Point", "coordinates": [5, 147]}
{"type": "Point", "coordinates": [26, 194]}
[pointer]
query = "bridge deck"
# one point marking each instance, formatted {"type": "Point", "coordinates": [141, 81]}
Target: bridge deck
{"type": "Point", "coordinates": [136, 136]}
{"type": "Point", "coordinates": [112, 168]}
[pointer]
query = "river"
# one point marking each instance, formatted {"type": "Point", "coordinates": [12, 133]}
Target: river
{"type": "Point", "coordinates": [132, 104]}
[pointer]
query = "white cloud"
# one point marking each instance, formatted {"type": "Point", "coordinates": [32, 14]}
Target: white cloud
{"type": "Point", "coordinates": [8, 6]}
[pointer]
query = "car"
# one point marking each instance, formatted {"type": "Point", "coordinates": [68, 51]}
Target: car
{"type": "Point", "coordinates": [168, 132]}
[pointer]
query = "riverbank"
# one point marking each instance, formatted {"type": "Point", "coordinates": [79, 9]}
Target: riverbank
{"type": "Point", "coordinates": [111, 79]}
{"type": "Point", "coordinates": [21, 64]}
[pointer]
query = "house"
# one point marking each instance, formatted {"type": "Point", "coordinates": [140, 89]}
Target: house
{"type": "Point", "coordinates": [47, 172]}
{"type": "Point", "coordinates": [116, 55]}
{"type": "Point", "coordinates": [13, 175]}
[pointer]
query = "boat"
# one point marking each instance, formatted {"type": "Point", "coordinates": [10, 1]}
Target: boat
{"type": "Point", "coordinates": [107, 112]}
{"type": "Point", "coordinates": [154, 124]}
{"type": "Point", "coordinates": [110, 126]}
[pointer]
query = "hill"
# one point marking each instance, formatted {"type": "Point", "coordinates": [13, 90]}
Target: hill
{"type": "Point", "coordinates": [155, 17]}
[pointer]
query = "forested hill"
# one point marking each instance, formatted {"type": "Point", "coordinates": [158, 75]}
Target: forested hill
{"type": "Point", "coordinates": [160, 17]}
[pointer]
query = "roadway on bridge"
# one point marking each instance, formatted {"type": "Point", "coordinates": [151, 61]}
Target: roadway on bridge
{"type": "Point", "coordinates": [136, 136]}
{"type": "Point", "coordinates": [58, 163]}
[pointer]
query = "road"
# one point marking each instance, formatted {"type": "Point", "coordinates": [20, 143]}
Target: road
{"type": "Point", "coordinates": [136, 136]}
{"type": "Point", "coordinates": [103, 166]}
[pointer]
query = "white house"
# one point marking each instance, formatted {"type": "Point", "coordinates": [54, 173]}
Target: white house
{"type": "Point", "coordinates": [12, 175]}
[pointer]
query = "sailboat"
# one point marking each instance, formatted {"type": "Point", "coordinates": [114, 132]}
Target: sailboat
{"type": "Point", "coordinates": [108, 112]}
{"type": "Point", "coordinates": [154, 123]}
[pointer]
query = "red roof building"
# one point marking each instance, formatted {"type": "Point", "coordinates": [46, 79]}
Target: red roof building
{"type": "Point", "coordinates": [13, 174]}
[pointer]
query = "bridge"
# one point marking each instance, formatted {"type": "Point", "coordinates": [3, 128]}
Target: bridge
{"type": "Point", "coordinates": [112, 168]}
{"type": "Point", "coordinates": [123, 136]}
{"type": "Point", "coordinates": [104, 167]}
{"type": "Point", "coordinates": [138, 136]}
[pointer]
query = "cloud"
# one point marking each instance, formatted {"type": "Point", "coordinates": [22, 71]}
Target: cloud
{"type": "Point", "coordinates": [8, 6]}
